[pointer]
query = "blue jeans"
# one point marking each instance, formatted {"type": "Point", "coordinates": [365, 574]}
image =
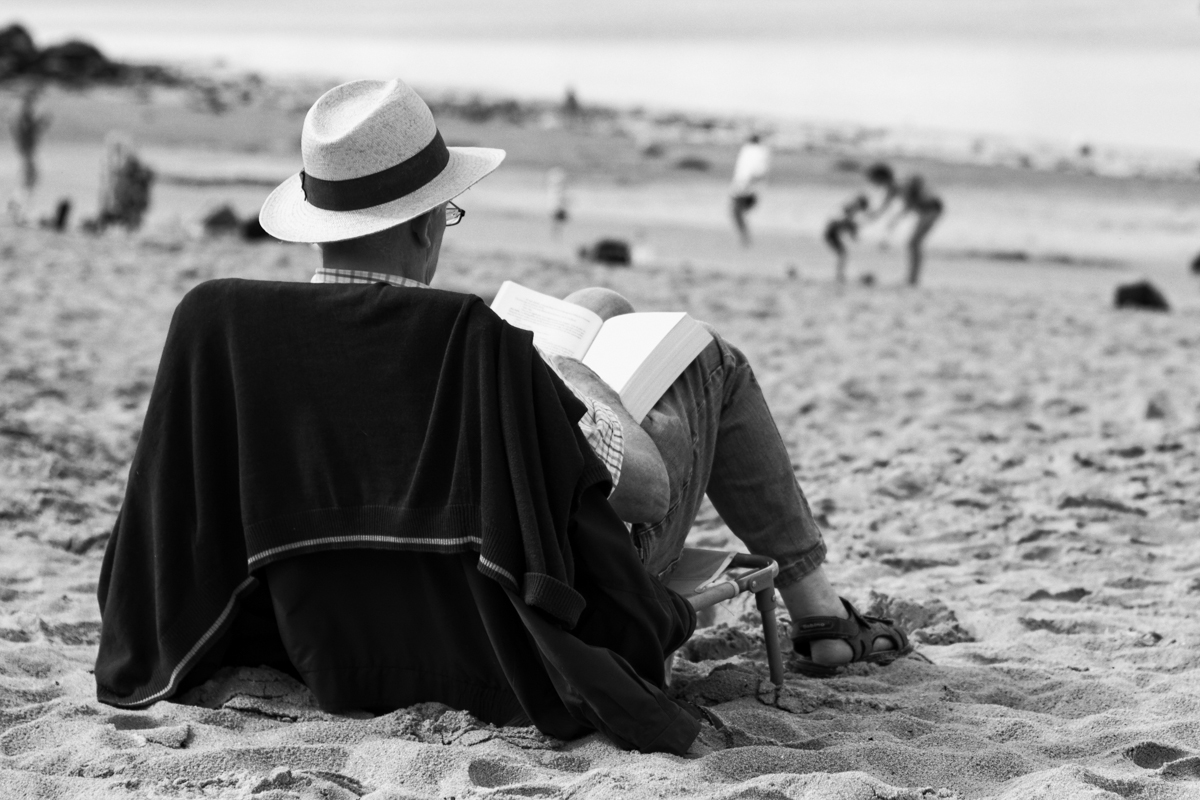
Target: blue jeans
{"type": "Point", "coordinates": [717, 436]}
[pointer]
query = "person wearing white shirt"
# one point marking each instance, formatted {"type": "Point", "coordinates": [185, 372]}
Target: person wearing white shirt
{"type": "Point", "coordinates": [749, 175]}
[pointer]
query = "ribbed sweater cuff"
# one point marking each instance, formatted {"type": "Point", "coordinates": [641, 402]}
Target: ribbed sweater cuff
{"type": "Point", "coordinates": [554, 597]}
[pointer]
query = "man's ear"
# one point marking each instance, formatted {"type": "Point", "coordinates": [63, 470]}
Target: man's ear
{"type": "Point", "coordinates": [420, 229]}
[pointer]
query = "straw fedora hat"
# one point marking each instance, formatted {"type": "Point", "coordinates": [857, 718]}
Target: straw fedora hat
{"type": "Point", "coordinates": [373, 158]}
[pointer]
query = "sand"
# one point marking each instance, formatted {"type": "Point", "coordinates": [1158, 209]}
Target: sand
{"type": "Point", "coordinates": [998, 459]}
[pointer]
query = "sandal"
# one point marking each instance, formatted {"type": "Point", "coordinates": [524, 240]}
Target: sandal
{"type": "Point", "coordinates": [860, 632]}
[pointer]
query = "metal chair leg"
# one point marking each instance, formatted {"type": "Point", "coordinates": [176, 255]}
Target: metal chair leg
{"type": "Point", "coordinates": [765, 600]}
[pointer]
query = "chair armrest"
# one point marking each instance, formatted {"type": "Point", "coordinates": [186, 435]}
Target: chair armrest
{"type": "Point", "coordinates": [755, 581]}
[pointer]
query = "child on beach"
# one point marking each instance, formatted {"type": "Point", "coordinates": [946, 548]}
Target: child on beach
{"type": "Point", "coordinates": [845, 226]}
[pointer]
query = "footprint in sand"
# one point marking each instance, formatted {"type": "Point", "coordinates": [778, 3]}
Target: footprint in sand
{"type": "Point", "coordinates": [1188, 768]}
{"type": "Point", "coordinates": [1152, 755]}
{"type": "Point", "coordinates": [492, 773]}
{"type": "Point", "coordinates": [1068, 595]}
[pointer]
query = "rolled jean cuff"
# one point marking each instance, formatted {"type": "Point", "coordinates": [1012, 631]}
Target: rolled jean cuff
{"type": "Point", "coordinates": [797, 569]}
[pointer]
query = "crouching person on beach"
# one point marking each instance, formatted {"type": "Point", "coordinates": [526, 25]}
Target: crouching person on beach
{"type": "Point", "coordinates": [384, 490]}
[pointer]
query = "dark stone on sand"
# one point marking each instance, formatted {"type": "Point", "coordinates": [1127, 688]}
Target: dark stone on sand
{"type": "Point", "coordinates": [1142, 294]}
{"type": "Point", "coordinates": [62, 215]}
{"type": "Point", "coordinates": [1196, 265]}
{"type": "Point", "coordinates": [609, 251]}
{"type": "Point", "coordinates": [224, 221]}
{"type": "Point", "coordinates": [694, 163]}
{"type": "Point", "coordinates": [253, 231]}
{"type": "Point", "coordinates": [221, 221]}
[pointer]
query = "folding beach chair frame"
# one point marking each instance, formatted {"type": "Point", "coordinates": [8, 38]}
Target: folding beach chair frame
{"type": "Point", "coordinates": [761, 581]}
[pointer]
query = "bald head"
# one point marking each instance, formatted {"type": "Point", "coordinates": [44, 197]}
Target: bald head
{"type": "Point", "coordinates": [604, 302]}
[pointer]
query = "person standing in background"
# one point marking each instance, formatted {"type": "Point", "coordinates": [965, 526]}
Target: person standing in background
{"type": "Point", "coordinates": [749, 176]}
{"type": "Point", "coordinates": [914, 198]}
{"type": "Point", "coordinates": [124, 184]}
{"type": "Point", "coordinates": [27, 130]}
{"type": "Point", "coordinates": [556, 189]}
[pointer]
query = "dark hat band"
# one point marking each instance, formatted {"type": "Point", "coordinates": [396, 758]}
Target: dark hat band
{"type": "Point", "coordinates": [379, 187]}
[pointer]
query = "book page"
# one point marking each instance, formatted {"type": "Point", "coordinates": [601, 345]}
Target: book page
{"type": "Point", "coordinates": [640, 355]}
{"type": "Point", "coordinates": [625, 342]}
{"type": "Point", "coordinates": [559, 328]}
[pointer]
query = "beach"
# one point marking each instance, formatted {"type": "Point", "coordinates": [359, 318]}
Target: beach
{"type": "Point", "coordinates": [998, 459]}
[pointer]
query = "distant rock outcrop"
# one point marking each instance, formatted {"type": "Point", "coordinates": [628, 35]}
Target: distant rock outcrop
{"type": "Point", "coordinates": [76, 61]}
{"type": "Point", "coordinates": [73, 62]}
{"type": "Point", "coordinates": [17, 51]}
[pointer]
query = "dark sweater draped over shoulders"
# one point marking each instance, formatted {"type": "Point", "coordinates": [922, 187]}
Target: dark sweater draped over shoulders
{"type": "Point", "coordinates": [290, 419]}
{"type": "Point", "coordinates": [287, 418]}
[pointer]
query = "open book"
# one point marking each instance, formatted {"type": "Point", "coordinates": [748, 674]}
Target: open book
{"type": "Point", "coordinates": [639, 355]}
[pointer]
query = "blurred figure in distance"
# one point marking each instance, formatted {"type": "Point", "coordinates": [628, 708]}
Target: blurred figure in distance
{"type": "Point", "coordinates": [124, 184]}
{"type": "Point", "coordinates": [914, 198]}
{"type": "Point", "coordinates": [844, 227]}
{"type": "Point", "coordinates": [556, 188]}
{"type": "Point", "coordinates": [749, 176]}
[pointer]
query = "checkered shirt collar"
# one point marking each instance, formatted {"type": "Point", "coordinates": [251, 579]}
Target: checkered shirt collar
{"type": "Point", "coordinates": [324, 275]}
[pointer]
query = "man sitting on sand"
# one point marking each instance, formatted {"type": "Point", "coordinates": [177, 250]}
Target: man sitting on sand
{"type": "Point", "coordinates": [261, 459]}
{"type": "Point", "coordinates": [711, 433]}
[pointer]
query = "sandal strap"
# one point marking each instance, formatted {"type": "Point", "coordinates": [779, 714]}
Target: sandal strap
{"type": "Point", "coordinates": [811, 629]}
{"type": "Point", "coordinates": [859, 632]}
{"type": "Point", "coordinates": [877, 628]}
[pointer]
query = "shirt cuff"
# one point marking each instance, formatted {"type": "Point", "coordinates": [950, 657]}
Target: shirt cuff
{"type": "Point", "coordinates": [602, 428]}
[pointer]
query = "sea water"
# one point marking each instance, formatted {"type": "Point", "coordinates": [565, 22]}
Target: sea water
{"type": "Point", "coordinates": [1093, 73]}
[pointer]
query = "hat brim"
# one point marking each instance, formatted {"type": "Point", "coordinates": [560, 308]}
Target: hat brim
{"type": "Point", "coordinates": [288, 216]}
